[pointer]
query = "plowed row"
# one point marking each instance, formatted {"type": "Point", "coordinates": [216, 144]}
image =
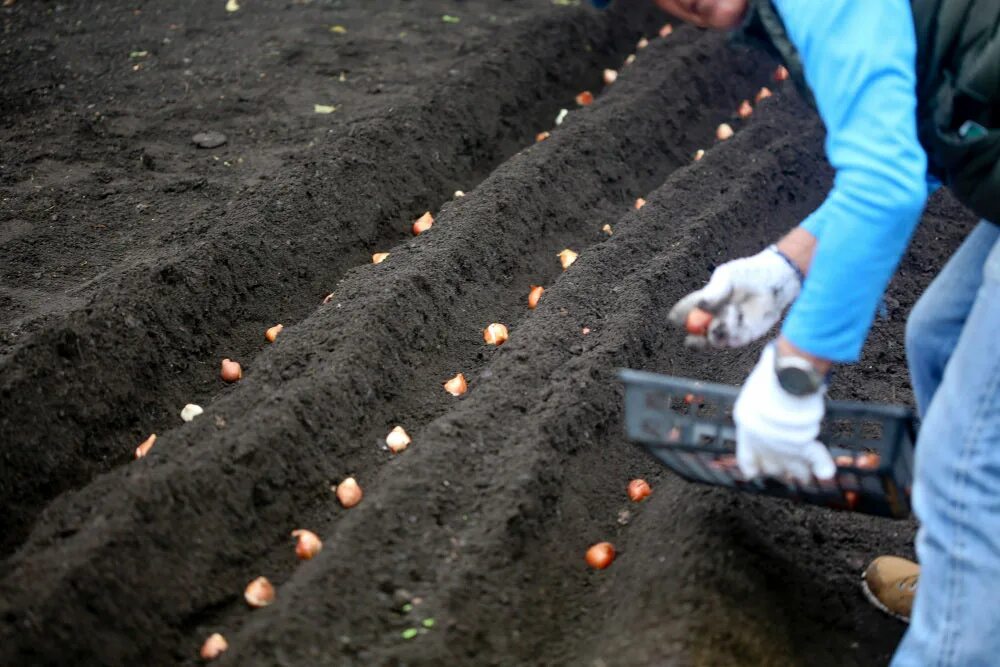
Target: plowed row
{"type": "Point", "coordinates": [481, 524]}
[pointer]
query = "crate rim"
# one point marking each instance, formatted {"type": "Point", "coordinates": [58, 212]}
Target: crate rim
{"type": "Point", "coordinates": [664, 381]}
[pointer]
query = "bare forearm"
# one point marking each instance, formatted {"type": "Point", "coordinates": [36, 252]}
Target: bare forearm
{"type": "Point", "coordinates": [799, 245]}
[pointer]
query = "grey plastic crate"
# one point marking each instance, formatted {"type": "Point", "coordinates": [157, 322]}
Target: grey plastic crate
{"type": "Point", "coordinates": [688, 426]}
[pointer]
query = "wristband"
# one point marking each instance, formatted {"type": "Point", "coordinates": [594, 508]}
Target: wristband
{"type": "Point", "coordinates": [790, 263]}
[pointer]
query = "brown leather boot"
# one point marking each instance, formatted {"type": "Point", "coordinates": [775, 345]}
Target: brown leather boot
{"type": "Point", "coordinates": [890, 583]}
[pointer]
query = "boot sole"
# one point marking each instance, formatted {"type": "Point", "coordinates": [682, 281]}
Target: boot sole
{"type": "Point", "coordinates": [878, 603]}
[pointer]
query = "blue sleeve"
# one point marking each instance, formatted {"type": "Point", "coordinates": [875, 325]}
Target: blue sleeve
{"type": "Point", "coordinates": [859, 59]}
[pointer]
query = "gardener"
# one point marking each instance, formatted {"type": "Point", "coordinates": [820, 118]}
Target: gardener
{"type": "Point", "coordinates": [910, 96]}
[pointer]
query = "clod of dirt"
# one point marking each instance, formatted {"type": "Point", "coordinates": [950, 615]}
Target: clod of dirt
{"type": "Point", "coordinates": [211, 139]}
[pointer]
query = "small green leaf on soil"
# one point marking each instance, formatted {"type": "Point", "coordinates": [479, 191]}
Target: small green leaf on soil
{"type": "Point", "coordinates": [409, 633]}
{"type": "Point", "coordinates": [232, 6]}
{"type": "Point", "coordinates": [324, 108]}
{"type": "Point", "coordinates": [448, 18]}
{"type": "Point", "coordinates": [138, 54]}
{"type": "Point", "coordinates": [339, 29]}
{"type": "Point", "coordinates": [428, 622]}
{"type": "Point", "coordinates": [407, 608]}
{"type": "Point", "coordinates": [566, 3]}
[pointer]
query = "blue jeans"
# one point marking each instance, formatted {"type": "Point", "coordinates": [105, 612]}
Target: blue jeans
{"type": "Point", "coordinates": [953, 349]}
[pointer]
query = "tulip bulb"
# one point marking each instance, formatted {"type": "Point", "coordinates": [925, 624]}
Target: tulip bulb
{"type": "Point", "coordinates": [272, 334]}
{"type": "Point", "coordinates": [457, 385]}
{"type": "Point", "coordinates": [423, 223]}
{"type": "Point", "coordinates": [190, 411]}
{"type": "Point", "coordinates": [397, 440]}
{"type": "Point", "coordinates": [534, 295]}
{"type": "Point", "coordinates": [642, 43]}
{"type": "Point", "coordinates": [723, 132]}
{"type": "Point", "coordinates": [697, 322]}
{"type": "Point", "coordinates": [607, 230]}
{"type": "Point", "coordinates": [781, 73]}
{"type": "Point", "coordinates": [495, 334]}
{"type": "Point", "coordinates": [868, 460]}
{"type": "Point", "coordinates": [638, 490]}
{"type": "Point", "coordinates": [259, 592]}
{"type": "Point", "coordinates": [762, 94]}
{"type": "Point", "coordinates": [600, 555]}
{"type": "Point", "coordinates": [585, 99]}
{"type": "Point", "coordinates": [231, 371]}
{"type": "Point", "coordinates": [379, 257]}
{"type": "Point", "coordinates": [639, 203]}
{"type": "Point", "coordinates": [666, 30]}
{"type": "Point", "coordinates": [307, 544]}
{"type": "Point", "coordinates": [146, 445]}
{"type": "Point", "coordinates": [348, 493]}
{"type": "Point", "coordinates": [610, 76]}
{"type": "Point", "coordinates": [541, 136]}
{"type": "Point", "coordinates": [699, 154]}
{"type": "Point", "coordinates": [567, 257]}
{"type": "Point", "coordinates": [745, 109]}
{"type": "Point", "coordinates": [213, 647]}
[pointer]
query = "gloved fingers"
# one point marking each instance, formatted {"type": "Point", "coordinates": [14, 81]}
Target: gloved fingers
{"type": "Point", "coordinates": [799, 470]}
{"type": "Point", "coordinates": [747, 461]}
{"type": "Point", "coordinates": [741, 321]}
{"type": "Point", "coordinates": [822, 464]}
{"type": "Point", "coordinates": [772, 466]}
{"type": "Point", "coordinates": [710, 297]}
{"type": "Point", "coordinates": [760, 312]}
{"type": "Point", "coordinates": [726, 327]}
{"type": "Point", "coordinates": [694, 342]}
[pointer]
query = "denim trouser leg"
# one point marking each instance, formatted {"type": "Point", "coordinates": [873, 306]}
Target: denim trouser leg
{"type": "Point", "coordinates": [956, 495]}
{"type": "Point", "coordinates": [936, 322]}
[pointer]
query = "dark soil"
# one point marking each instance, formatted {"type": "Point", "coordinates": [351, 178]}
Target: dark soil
{"type": "Point", "coordinates": [132, 261]}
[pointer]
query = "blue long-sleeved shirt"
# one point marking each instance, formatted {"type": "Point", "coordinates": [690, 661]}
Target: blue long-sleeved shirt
{"type": "Point", "coordinates": [859, 60]}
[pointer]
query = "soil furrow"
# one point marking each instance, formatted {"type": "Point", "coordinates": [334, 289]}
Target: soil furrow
{"type": "Point", "coordinates": [498, 513]}
{"type": "Point", "coordinates": [131, 261]}
{"type": "Point", "coordinates": [515, 508]}
{"type": "Point", "coordinates": [416, 402]}
{"type": "Point", "coordinates": [99, 378]}
{"type": "Point", "coordinates": [273, 445]}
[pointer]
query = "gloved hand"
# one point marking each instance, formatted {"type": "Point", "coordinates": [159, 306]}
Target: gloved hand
{"type": "Point", "coordinates": [776, 431]}
{"type": "Point", "coordinates": [746, 297]}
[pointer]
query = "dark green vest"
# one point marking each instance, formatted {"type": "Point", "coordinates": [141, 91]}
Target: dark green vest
{"type": "Point", "coordinates": [958, 89]}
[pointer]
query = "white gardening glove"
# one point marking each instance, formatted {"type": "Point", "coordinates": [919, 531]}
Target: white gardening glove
{"type": "Point", "coordinates": [746, 298]}
{"type": "Point", "coordinates": [776, 431]}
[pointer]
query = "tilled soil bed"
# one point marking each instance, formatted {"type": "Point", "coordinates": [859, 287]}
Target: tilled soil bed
{"type": "Point", "coordinates": [133, 261]}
